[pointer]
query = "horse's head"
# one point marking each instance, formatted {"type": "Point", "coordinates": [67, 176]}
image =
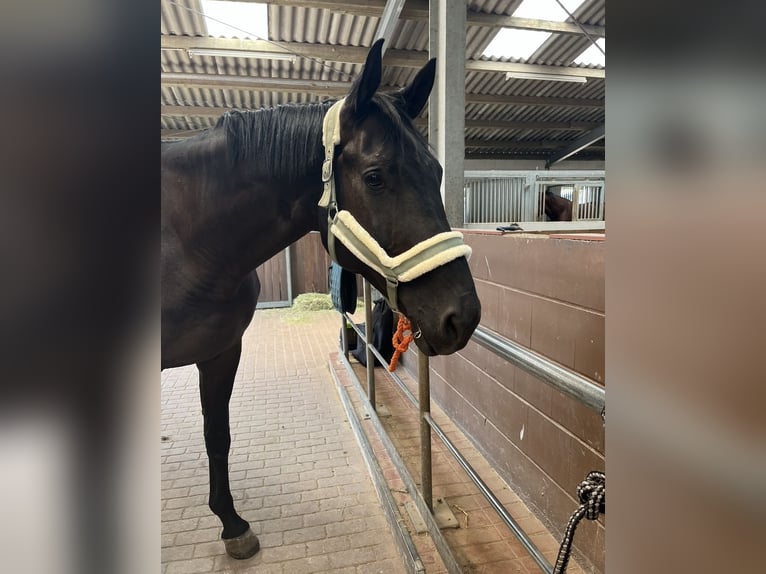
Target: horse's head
{"type": "Point", "coordinates": [388, 180]}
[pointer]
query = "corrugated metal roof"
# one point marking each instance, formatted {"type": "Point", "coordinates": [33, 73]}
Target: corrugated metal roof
{"type": "Point", "coordinates": [313, 26]}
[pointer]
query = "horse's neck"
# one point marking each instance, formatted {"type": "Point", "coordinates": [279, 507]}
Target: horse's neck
{"type": "Point", "coordinates": [244, 213]}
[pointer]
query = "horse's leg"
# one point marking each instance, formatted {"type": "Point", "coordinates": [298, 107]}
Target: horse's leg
{"type": "Point", "coordinates": [216, 378]}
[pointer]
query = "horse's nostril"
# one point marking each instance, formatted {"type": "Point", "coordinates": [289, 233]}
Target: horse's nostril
{"type": "Point", "coordinates": [451, 325]}
{"type": "Point", "coordinates": [458, 323]}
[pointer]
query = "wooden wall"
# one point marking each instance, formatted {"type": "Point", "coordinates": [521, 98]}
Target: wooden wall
{"type": "Point", "coordinates": [548, 295]}
{"type": "Point", "coordinates": [310, 262]}
{"type": "Point", "coordinates": [273, 278]}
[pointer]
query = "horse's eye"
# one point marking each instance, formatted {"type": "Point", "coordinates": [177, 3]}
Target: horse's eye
{"type": "Point", "coordinates": [373, 180]}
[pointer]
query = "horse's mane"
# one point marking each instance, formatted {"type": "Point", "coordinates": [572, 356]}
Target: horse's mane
{"type": "Point", "coordinates": [286, 140]}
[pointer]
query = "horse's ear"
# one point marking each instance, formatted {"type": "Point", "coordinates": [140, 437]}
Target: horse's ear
{"type": "Point", "coordinates": [416, 94]}
{"type": "Point", "coordinates": [367, 82]}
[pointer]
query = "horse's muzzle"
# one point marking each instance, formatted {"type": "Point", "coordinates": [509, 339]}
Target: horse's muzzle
{"type": "Point", "coordinates": [452, 328]}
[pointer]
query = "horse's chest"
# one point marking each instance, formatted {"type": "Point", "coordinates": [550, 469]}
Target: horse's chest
{"type": "Point", "coordinates": [196, 326]}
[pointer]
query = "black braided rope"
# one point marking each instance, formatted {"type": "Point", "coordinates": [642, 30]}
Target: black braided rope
{"type": "Point", "coordinates": [592, 495]}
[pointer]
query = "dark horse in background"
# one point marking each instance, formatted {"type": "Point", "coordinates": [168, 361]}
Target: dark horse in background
{"type": "Point", "coordinates": [557, 208]}
{"type": "Point", "coordinates": [237, 194]}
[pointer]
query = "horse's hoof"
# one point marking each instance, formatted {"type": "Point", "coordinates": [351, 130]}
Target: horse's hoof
{"type": "Point", "coordinates": [243, 546]}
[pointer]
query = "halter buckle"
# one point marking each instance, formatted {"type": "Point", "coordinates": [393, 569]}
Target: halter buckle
{"type": "Point", "coordinates": [332, 212]}
{"type": "Point", "coordinates": [327, 170]}
{"type": "Point", "coordinates": [392, 283]}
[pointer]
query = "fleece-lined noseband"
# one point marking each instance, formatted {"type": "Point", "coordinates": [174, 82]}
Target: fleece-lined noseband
{"type": "Point", "coordinates": [416, 261]}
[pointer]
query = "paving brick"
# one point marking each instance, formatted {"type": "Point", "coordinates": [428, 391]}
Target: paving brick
{"type": "Point", "coordinates": [190, 566]}
{"type": "Point", "coordinates": [282, 524]}
{"type": "Point", "coordinates": [177, 553]}
{"type": "Point", "coordinates": [301, 508]}
{"type": "Point", "coordinates": [171, 526]}
{"type": "Point", "coordinates": [328, 545]}
{"type": "Point", "coordinates": [283, 552]}
{"type": "Point", "coordinates": [206, 549]}
{"type": "Point", "coordinates": [305, 534]}
{"type": "Point", "coordinates": [308, 565]}
{"type": "Point", "coordinates": [351, 557]}
{"type": "Point", "coordinates": [348, 527]}
{"type": "Point", "coordinates": [195, 536]}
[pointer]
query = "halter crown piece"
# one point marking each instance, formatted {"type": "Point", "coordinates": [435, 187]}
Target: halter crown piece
{"type": "Point", "coordinates": [341, 224]}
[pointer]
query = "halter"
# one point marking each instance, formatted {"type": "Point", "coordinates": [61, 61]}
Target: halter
{"type": "Point", "coordinates": [416, 261]}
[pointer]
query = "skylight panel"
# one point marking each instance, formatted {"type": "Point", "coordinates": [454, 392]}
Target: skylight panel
{"type": "Point", "coordinates": [248, 19]}
{"type": "Point", "coordinates": [512, 43]}
{"type": "Point", "coordinates": [546, 9]}
{"type": "Point", "coordinates": [521, 44]}
{"type": "Point", "coordinates": [592, 56]}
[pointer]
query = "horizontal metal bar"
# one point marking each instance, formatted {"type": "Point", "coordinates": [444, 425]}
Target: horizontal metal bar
{"type": "Point", "coordinates": [494, 502]}
{"type": "Point", "coordinates": [560, 378]}
{"type": "Point", "coordinates": [383, 361]}
{"type": "Point", "coordinates": [502, 173]}
{"type": "Point", "coordinates": [401, 534]}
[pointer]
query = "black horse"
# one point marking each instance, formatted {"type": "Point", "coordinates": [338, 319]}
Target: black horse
{"type": "Point", "coordinates": [237, 194]}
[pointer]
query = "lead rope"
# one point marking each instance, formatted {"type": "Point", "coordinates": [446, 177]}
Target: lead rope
{"type": "Point", "coordinates": [400, 341]}
{"type": "Point", "coordinates": [592, 495]}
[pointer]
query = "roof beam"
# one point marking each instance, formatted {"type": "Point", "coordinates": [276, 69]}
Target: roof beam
{"type": "Point", "coordinates": [413, 9]}
{"type": "Point", "coordinates": [358, 55]}
{"type": "Point", "coordinates": [580, 143]}
{"type": "Point", "coordinates": [490, 66]}
{"type": "Point", "coordinates": [515, 144]}
{"type": "Point", "coordinates": [418, 10]}
{"type": "Point", "coordinates": [500, 21]}
{"type": "Point", "coordinates": [522, 125]}
{"type": "Point", "coordinates": [508, 99]}
{"type": "Point", "coordinates": [210, 111]}
{"type": "Point", "coordinates": [347, 54]}
{"type": "Point", "coordinates": [329, 88]}
{"type": "Point", "coordinates": [510, 144]}
{"type": "Point", "coordinates": [247, 83]}
{"type": "Point", "coordinates": [529, 155]}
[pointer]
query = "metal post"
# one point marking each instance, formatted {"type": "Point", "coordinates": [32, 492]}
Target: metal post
{"type": "Point", "coordinates": [288, 264]}
{"type": "Point", "coordinates": [343, 335]}
{"type": "Point", "coordinates": [368, 343]}
{"type": "Point", "coordinates": [424, 404]}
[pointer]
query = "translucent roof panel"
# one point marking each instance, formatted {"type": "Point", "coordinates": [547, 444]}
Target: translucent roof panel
{"type": "Point", "coordinates": [521, 44]}
{"type": "Point", "coordinates": [236, 19]}
{"type": "Point", "coordinates": [592, 56]}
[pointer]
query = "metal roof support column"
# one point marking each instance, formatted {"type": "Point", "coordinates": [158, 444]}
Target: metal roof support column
{"type": "Point", "coordinates": [579, 144]}
{"type": "Point", "coordinates": [388, 21]}
{"type": "Point", "coordinates": [433, 52]}
{"type": "Point", "coordinates": [450, 108]}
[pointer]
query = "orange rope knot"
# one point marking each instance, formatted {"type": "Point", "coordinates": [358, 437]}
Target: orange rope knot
{"type": "Point", "coordinates": [400, 341]}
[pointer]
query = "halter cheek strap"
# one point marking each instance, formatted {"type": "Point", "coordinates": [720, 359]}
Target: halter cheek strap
{"type": "Point", "coordinates": [416, 261]}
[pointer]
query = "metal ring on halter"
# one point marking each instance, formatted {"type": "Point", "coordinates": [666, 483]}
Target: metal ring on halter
{"type": "Point", "coordinates": [418, 334]}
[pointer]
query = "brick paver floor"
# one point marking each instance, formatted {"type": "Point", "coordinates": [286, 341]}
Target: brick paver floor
{"type": "Point", "coordinates": [297, 474]}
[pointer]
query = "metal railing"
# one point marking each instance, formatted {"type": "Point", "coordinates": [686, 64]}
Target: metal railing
{"type": "Point", "coordinates": [560, 378]}
{"type": "Point", "coordinates": [498, 200]}
{"type": "Point", "coordinates": [501, 197]}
